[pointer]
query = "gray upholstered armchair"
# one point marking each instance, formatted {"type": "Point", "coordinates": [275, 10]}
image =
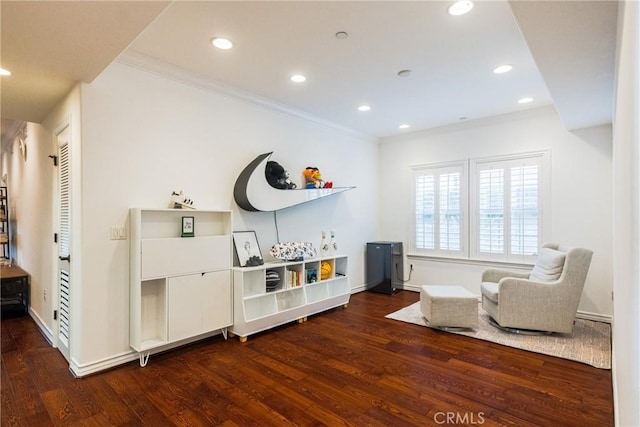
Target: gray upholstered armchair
{"type": "Point", "coordinates": [545, 299]}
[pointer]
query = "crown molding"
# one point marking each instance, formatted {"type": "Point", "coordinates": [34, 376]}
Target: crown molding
{"type": "Point", "coordinates": [149, 64]}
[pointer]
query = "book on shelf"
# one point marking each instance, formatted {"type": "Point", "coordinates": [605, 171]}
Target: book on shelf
{"type": "Point", "coordinates": [294, 278]}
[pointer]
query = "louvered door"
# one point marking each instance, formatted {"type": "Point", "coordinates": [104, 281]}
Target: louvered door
{"type": "Point", "coordinates": [64, 239]}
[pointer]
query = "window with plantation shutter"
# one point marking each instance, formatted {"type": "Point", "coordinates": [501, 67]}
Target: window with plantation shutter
{"type": "Point", "coordinates": [504, 197]}
{"type": "Point", "coordinates": [506, 204]}
{"type": "Point", "coordinates": [440, 213]}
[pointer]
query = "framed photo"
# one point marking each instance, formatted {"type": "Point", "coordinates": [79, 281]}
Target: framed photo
{"type": "Point", "coordinates": [247, 249]}
{"type": "Point", "coordinates": [188, 226]}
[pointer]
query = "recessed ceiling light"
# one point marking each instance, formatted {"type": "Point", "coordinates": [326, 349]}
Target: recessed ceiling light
{"type": "Point", "coordinates": [342, 35]}
{"type": "Point", "coordinates": [404, 73]}
{"type": "Point", "coordinates": [404, 126]}
{"type": "Point", "coordinates": [364, 108]}
{"type": "Point", "coordinates": [460, 7]}
{"type": "Point", "coordinates": [502, 69]}
{"type": "Point", "coordinates": [297, 78]}
{"type": "Point", "coordinates": [222, 43]}
{"type": "Point", "coordinates": [525, 100]}
{"type": "Point", "coordinates": [462, 118]}
{"type": "Point", "coordinates": [4, 72]}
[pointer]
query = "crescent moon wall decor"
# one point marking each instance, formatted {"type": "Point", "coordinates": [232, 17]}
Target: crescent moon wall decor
{"type": "Point", "coordinates": [253, 193]}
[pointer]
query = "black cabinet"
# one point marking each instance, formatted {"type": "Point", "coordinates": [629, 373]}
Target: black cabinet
{"type": "Point", "coordinates": [14, 291]}
{"type": "Point", "coordinates": [384, 267]}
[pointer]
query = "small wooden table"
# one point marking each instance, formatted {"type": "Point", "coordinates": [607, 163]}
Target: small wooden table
{"type": "Point", "coordinates": [14, 291]}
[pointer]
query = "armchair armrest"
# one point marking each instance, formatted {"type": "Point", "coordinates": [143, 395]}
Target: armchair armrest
{"type": "Point", "coordinates": [495, 275]}
{"type": "Point", "coordinates": [523, 297]}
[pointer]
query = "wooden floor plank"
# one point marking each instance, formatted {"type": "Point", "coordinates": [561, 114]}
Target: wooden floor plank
{"type": "Point", "coordinates": [348, 367]}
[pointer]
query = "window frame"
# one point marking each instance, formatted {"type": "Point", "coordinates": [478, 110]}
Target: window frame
{"type": "Point", "coordinates": [440, 169]}
{"type": "Point", "coordinates": [469, 195]}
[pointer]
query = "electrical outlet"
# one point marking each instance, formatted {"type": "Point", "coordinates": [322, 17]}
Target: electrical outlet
{"type": "Point", "coordinates": [44, 294]}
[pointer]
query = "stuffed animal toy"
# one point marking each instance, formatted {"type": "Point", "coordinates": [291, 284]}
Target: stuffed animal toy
{"type": "Point", "coordinates": [309, 180]}
{"type": "Point", "coordinates": [277, 176]}
{"type": "Point", "coordinates": [317, 178]}
{"type": "Point", "coordinates": [307, 175]}
{"type": "Point", "coordinates": [313, 178]}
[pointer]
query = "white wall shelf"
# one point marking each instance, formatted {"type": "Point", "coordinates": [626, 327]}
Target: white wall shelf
{"type": "Point", "coordinates": [252, 192]}
{"type": "Point", "coordinates": [256, 309]}
{"type": "Point", "coordinates": [180, 287]}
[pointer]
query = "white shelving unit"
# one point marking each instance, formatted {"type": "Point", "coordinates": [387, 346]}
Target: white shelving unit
{"type": "Point", "coordinates": [294, 298]}
{"type": "Point", "coordinates": [180, 287]}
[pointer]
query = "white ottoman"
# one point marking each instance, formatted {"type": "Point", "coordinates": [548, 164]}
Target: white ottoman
{"type": "Point", "coordinates": [449, 306]}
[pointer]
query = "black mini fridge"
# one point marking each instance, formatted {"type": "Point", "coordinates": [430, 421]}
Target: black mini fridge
{"type": "Point", "coordinates": [384, 267]}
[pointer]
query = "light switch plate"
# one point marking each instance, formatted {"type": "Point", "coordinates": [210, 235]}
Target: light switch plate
{"type": "Point", "coordinates": [117, 233]}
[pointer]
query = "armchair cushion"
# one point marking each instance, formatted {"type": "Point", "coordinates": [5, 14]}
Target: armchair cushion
{"type": "Point", "coordinates": [490, 290]}
{"type": "Point", "coordinates": [548, 267]}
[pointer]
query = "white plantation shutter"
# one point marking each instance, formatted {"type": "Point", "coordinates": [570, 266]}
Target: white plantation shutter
{"type": "Point", "coordinates": [425, 212]}
{"type": "Point", "coordinates": [439, 197]}
{"type": "Point", "coordinates": [524, 209]}
{"type": "Point", "coordinates": [495, 214]}
{"type": "Point", "coordinates": [491, 211]}
{"type": "Point", "coordinates": [450, 211]}
{"type": "Point", "coordinates": [507, 201]}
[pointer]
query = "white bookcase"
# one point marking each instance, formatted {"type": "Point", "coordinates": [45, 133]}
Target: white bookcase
{"type": "Point", "coordinates": [294, 298]}
{"type": "Point", "coordinates": [180, 287]}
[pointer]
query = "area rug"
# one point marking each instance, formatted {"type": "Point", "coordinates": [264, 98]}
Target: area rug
{"type": "Point", "coordinates": [590, 342]}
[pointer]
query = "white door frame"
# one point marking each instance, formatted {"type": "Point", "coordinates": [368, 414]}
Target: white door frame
{"type": "Point", "coordinates": [62, 136]}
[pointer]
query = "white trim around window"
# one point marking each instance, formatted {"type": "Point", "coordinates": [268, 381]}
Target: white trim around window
{"type": "Point", "coordinates": [440, 209]}
{"type": "Point", "coordinates": [509, 196]}
{"type": "Point", "coordinates": [491, 209]}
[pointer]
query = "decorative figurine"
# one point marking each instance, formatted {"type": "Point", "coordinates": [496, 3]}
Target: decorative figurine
{"type": "Point", "coordinates": [324, 245]}
{"type": "Point", "coordinates": [333, 246]}
{"type": "Point", "coordinates": [180, 201]}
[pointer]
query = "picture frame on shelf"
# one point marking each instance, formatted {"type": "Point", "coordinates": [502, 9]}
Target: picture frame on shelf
{"type": "Point", "coordinates": [188, 226]}
{"type": "Point", "coordinates": [247, 248]}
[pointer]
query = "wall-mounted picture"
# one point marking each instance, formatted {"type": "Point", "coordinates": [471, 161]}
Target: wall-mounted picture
{"type": "Point", "coordinates": [188, 226]}
{"type": "Point", "coordinates": [247, 249]}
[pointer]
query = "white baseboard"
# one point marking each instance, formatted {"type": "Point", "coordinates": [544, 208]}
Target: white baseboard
{"type": "Point", "coordinates": [82, 370]}
{"type": "Point", "coordinates": [357, 289]}
{"type": "Point", "coordinates": [44, 329]}
{"type": "Point", "coordinates": [594, 316]}
{"type": "Point", "coordinates": [79, 370]}
{"type": "Point", "coordinates": [410, 287]}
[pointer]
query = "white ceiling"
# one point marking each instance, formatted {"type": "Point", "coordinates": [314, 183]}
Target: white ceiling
{"type": "Point", "coordinates": [50, 45]}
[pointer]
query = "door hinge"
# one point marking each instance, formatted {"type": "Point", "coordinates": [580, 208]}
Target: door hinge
{"type": "Point", "coordinates": [55, 237]}
{"type": "Point", "coordinates": [55, 314]}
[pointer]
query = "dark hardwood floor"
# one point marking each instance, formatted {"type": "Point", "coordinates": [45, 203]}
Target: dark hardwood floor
{"type": "Point", "coordinates": [343, 367]}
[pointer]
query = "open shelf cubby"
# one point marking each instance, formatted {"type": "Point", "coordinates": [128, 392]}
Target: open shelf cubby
{"type": "Point", "coordinates": [300, 292]}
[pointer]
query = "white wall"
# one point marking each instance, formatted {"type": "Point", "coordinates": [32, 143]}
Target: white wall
{"type": "Point", "coordinates": [145, 135]}
{"type": "Point", "coordinates": [580, 190]}
{"type": "Point", "coordinates": [626, 202]}
{"type": "Point", "coordinates": [29, 184]}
